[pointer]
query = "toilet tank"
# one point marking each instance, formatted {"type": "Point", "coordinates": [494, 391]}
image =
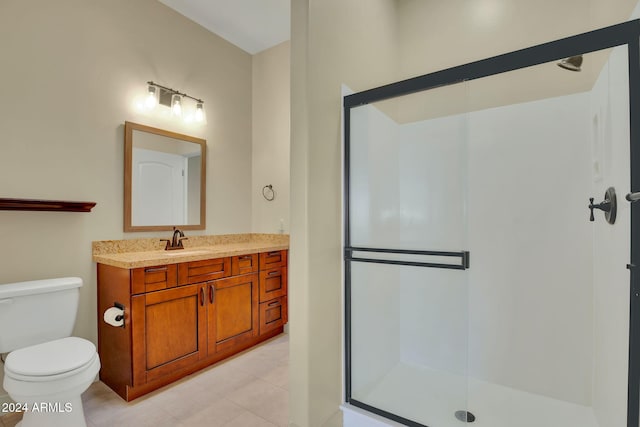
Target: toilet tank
{"type": "Point", "coordinates": [37, 311]}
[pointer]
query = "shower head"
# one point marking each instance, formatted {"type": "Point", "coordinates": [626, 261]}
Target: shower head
{"type": "Point", "coordinates": [572, 63]}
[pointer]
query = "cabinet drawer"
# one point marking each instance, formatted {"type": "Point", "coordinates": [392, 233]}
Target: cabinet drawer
{"type": "Point", "coordinates": [149, 279]}
{"type": "Point", "coordinates": [273, 259]}
{"type": "Point", "coordinates": [244, 264]}
{"type": "Point", "coordinates": [202, 271]}
{"type": "Point", "coordinates": [273, 314]}
{"type": "Point", "coordinates": [273, 283]}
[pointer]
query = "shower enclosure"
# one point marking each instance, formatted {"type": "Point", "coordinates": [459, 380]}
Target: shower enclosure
{"type": "Point", "coordinates": [477, 289]}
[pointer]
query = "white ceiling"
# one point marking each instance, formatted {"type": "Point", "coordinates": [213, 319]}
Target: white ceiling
{"type": "Point", "coordinates": [252, 25]}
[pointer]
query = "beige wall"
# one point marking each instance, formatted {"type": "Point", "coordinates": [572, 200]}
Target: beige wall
{"type": "Point", "coordinates": [70, 72]}
{"type": "Point", "coordinates": [435, 35]}
{"type": "Point", "coordinates": [333, 42]}
{"type": "Point", "coordinates": [271, 135]}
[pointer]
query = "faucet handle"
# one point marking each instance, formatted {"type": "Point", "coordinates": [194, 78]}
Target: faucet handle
{"type": "Point", "coordinates": [608, 206]}
{"type": "Point", "coordinates": [591, 207]}
{"type": "Point", "coordinates": [168, 245]}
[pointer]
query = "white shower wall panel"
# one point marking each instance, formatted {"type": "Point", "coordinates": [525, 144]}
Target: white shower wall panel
{"type": "Point", "coordinates": [434, 320]}
{"type": "Point", "coordinates": [432, 216]}
{"type": "Point", "coordinates": [375, 324]}
{"type": "Point", "coordinates": [391, 184]}
{"type": "Point", "coordinates": [526, 316]}
{"type": "Point", "coordinates": [611, 244]}
{"type": "Point", "coordinates": [375, 313]}
{"type": "Point", "coordinates": [433, 183]}
{"type": "Point", "coordinates": [529, 321]}
{"type": "Point", "coordinates": [409, 192]}
{"type": "Point", "coordinates": [374, 179]}
{"type": "Point", "coordinates": [530, 304]}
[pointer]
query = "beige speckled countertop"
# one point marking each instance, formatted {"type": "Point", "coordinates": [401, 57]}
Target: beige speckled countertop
{"type": "Point", "coordinates": [136, 253]}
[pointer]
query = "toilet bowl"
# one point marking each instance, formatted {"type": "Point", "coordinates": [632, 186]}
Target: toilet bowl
{"type": "Point", "coordinates": [46, 370]}
{"type": "Point", "coordinates": [47, 380]}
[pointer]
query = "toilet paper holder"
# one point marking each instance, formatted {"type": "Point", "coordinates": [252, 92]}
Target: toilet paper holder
{"type": "Point", "coordinates": [121, 307]}
{"type": "Point", "coordinates": [119, 317]}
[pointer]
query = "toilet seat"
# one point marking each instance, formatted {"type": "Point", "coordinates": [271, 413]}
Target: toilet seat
{"type": "Point", "coordinates": [51, 360]}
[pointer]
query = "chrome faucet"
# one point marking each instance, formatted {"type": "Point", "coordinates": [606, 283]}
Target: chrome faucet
{"type": "Point", "coordinates": [176, 240]}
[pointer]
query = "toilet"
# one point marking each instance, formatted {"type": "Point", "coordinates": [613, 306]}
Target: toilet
{"type": "Point", "coordinates": [46, 370]}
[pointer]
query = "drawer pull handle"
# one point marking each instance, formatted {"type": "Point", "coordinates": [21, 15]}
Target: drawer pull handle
{"type": "Point", "coordinates": [276, 253]}
{"type": "Point", "coordinates": [274, 304]}
{"type": "Point", "coordinates": [212, 290]}
{"type": "Point", "coordinates": [201, 296]}
{"type": "Point", "coordinates": [155, 269]}
{"type": "Point", "coordinates": [273, 273]}
{"type": "Point", "coordinates": [245, 257]}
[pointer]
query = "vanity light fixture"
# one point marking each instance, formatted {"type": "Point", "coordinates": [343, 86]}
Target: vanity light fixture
{"type": "Point", "coordinates": [200, 116]}
{"type": "Point", "coordinates": [152, 97]}
{"type": "Point", "coordinates": [176, 105]}
{"type": "Point", "coordinates": [174, 99]}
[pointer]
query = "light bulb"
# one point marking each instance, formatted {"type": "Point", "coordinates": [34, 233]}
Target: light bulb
{"type": "Point", "coordinates": [199, 116]}
{"type": "Point", "coordinates": [176, 105]}
{"type": "Point", "coordinates": [152, 100]}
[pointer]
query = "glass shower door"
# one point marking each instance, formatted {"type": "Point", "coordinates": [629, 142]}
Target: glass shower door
{"type": "Point", "coordinates": [501, 167]}
{"type": "Point", "coordinates": [407, 260]}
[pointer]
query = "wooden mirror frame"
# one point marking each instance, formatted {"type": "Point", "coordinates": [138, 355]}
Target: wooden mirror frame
{"type": "Point", "coordinates": [129, 127]}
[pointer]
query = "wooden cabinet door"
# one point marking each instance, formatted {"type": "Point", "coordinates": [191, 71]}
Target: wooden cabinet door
{"type": "Point", "coordinates": [232, 313]}
{"type": "Point", "coordinates": [168, 331]}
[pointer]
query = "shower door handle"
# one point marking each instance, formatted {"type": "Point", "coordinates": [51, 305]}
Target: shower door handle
{"type": "Point", "coordinates": [633, 197]}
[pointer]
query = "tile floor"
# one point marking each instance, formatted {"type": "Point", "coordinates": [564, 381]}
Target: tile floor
{"type": "Point", "coordinates": [249, 390]}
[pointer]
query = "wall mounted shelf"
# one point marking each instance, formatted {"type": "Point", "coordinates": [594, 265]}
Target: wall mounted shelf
{"type": "Point", "coordinates": [45, 205]}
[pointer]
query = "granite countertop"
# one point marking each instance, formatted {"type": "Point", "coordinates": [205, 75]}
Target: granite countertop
{"type": "Point", "coordinates": [136, 253]}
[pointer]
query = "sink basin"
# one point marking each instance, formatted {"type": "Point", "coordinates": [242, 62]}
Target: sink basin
{"type": "Point", "coordinates": [185, 252]}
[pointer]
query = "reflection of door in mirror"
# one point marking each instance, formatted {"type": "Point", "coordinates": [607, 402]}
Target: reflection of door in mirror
{"type": "Point", "coordinates": [158, 188]}
{"type": "Point", "coordinates": [164, 179]}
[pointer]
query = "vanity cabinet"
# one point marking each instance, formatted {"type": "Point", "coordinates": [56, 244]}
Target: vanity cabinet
{"type": "Point", "coordinates": [182, 317]}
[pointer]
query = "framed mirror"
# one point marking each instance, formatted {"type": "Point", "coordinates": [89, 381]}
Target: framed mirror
{"type": "Point", "coordinates": [164, 179]}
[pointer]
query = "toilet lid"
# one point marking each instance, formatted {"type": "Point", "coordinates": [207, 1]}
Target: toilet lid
{"type": "Point", "coordinates": [51, 358]}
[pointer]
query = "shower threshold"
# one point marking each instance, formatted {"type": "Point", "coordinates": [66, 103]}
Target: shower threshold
{"type": "Point", "coordinates": [432, 397]}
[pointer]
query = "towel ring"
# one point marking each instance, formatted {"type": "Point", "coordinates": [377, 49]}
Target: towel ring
{"type": "Point", "coordinates": [268, 192]}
